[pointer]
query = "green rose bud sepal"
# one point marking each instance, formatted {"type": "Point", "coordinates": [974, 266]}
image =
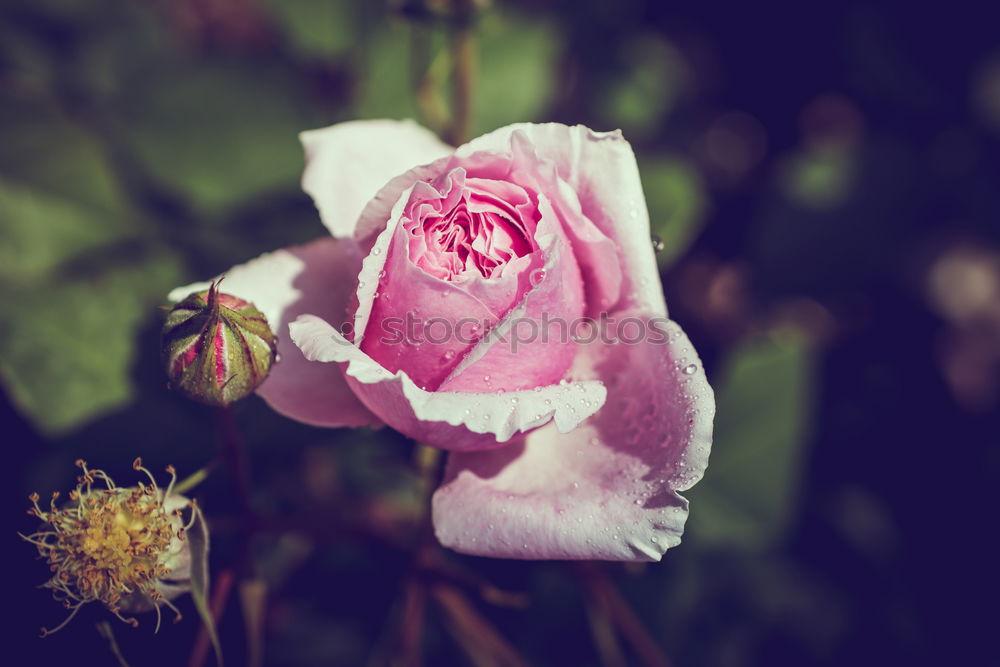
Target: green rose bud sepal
{"type": "Point", "coordinates": [216, 348]}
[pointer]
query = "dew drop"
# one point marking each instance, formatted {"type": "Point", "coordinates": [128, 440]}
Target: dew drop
{"type": "Point", "coordinates": [376, 251]}
{"type": "Point", "coordinates": [657, 242]}
{"type": "Point", "coordinates": [381, 274]}
{"type": "Point", "coordinates": [449, 355]}
{"type": "Point", "coordinates": [576, 485]}
{"type": "Point", "coordinates": [690, 369]}
{"type": "Point", "coordinates": [486, 379]}
{"type": "Point", "coordinates": [537, 276]}
{"type": "Point", "coordinates": [537, 389]}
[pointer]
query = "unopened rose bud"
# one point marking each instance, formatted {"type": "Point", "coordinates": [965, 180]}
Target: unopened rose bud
{"type": "Point", "coordinates": [124, 547]}
{"type": "Point", "coordinates": [216, 348]}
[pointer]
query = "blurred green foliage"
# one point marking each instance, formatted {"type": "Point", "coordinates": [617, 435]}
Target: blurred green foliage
{"type": "Point", "coordinates": [145, 145]}
{"type": "Point", "coordinates": [764, 402]}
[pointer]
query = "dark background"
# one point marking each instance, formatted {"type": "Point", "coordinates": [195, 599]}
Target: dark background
{"type": "Point", "coordinates": [825, 182]}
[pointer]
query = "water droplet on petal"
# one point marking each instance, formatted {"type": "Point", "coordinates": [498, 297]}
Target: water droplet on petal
{"type": "Point", "coordinates": [690, 369]}
{"type": "Point", "coordinates": [658, 244]}
{"type": "Point", "coordinates": [537, 276]}
{"type": "Point", "coordinates": [376, 251]}
{"type": "Point", "coordinates": [449, 355]}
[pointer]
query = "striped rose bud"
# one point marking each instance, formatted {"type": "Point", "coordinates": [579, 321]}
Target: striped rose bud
{"type": "Point", "coordinates": [216, 348]}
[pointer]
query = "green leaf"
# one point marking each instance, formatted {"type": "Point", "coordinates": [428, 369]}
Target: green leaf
{"type": "Point", "coordinates": [516, 70]}
{"type": "Point", "coordinates": [43, 150]}
{"type": "Point", "coordinates": [41, 231]}
{"type": "Point", "coordinates": [675, 194]}
{"type": "Point", "coordinates": [198, 544]}
{"type": "Point", "coordinates": [220, 134]}
{"type": "Point", "coordinates": [67, 344]}
{"type": "Point", "coordinates": [764, 403]}
{"type": "Point", "coordinates": [385, 88]}
{"type": "Point", "coordinates": [320, 29]}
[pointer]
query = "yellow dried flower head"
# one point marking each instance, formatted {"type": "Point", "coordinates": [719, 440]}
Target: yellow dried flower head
{"type": "Point", "coordinates": [124, 547]}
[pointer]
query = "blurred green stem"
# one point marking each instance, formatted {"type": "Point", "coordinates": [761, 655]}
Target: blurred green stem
{"type": "Point", "coordinates": [427, 461]}
{"type": "Point", "coordinates": [464, 49]}
{"type": "Point", "coordinates": [104, 629]}
{"type": "Point", "coordinates": [194, 479]}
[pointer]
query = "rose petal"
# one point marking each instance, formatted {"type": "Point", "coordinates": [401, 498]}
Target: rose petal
{"type": "Point", "coordinates": [347, 164]}
{"type": "Point", "coordinates": [449, 420]}
{"type": "Point", "coordinates": [411, 307]}
{"type": "Point", "coordinates": [608, 489]}
{"type": "Point", "coordinates": [599, 168]}
{"type": "Point", "coordinates": [283, 285]}
{"type": "Point", "coordinates": [531, 346]}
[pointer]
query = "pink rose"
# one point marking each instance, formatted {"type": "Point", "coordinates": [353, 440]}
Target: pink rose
{"type": "Point", "coordinates": [501, 301]}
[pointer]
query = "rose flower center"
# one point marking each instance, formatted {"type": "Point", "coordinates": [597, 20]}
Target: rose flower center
{"type": "Point", "coordinates": [475, 230]}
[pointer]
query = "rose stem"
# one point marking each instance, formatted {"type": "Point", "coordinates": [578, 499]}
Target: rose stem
{"type": "Point", "coordinates": [220, 595]}
{"type": "Point", "coordinates": [234, 454]}
{"type": "Point", "coordinates": [464, 54]}
{"type": "Point", "coordinates": [607, 596]}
